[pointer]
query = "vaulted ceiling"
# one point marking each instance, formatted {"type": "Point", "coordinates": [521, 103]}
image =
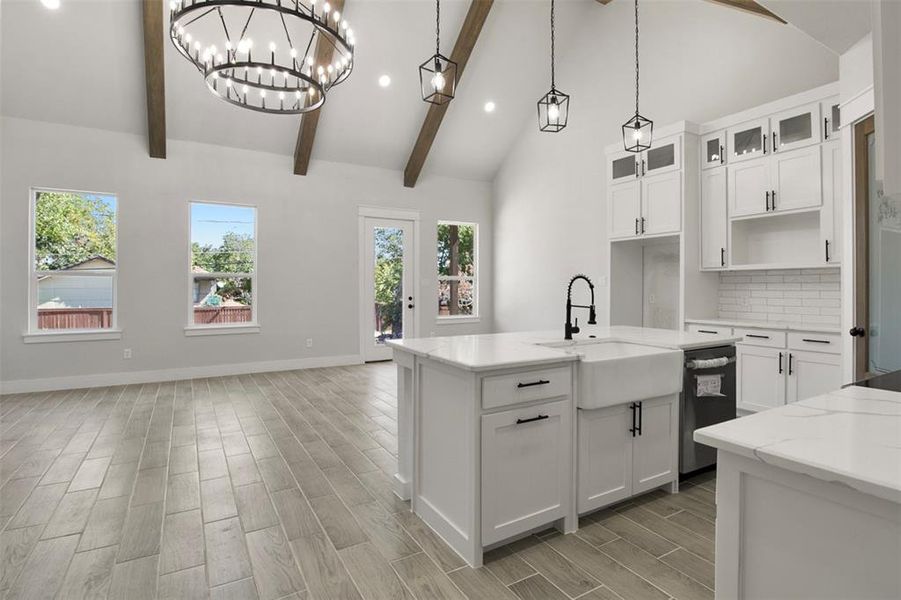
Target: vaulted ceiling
{"type": "Point", "coordinates": [85, 67]}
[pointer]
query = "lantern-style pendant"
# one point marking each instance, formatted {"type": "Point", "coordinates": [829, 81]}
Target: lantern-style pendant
{"type": "Point", "coordinates": [553, 111]}
{"type": "Point", "coordinates": [438, 79]}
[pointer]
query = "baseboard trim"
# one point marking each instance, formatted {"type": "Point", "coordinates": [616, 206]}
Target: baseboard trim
{"type": "Point", "coordinates": [50, 384]}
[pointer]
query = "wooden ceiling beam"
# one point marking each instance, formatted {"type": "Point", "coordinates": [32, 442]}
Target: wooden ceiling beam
{"type": "Point", "coordinates": [466, 41]}
{"type": "Point", "coordinates": [303, 150]}
{"type": "Point", "coordinates": [155, 76]}
{"type": "Point", "coordinates": [749, 6]}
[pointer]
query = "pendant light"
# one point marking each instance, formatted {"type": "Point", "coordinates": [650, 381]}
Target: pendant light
{"type": "Point", "coordinates": [637, 131]}
{"type": "Point", "coordinates": [438, 75]}
{"type": "Point", "coordinates": [553, 108]}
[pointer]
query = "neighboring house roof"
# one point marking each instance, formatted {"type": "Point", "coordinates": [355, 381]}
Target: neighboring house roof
{"type": "Point", "coordinates": [94, 262]}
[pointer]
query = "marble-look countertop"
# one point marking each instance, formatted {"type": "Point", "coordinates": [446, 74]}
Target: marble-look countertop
{"type": "Point", "coordinates": [851, 436]}
{"type": "Point", "coordinates": [500, 350]}
{"type": "Point", "coordinates": [769, 325]}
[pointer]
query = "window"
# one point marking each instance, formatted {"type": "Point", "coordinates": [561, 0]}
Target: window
{"type": "Point", "coordinates": [457, 270]}
{"type": "Point", "coordinates": [223, 265]}
{"type": "Point", "coordinates": [73, 261]}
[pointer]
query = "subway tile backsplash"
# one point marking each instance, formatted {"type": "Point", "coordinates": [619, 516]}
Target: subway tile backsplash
{"type": "Point", "coordinates": [793, 296]}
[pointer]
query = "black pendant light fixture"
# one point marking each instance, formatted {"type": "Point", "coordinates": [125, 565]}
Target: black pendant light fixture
{"type": "Point", "coordinates": [637, 131]}
{"type": "Point", "coordinates": [438, 75]}
{"type": "Point", "coordinates": [553, 108]}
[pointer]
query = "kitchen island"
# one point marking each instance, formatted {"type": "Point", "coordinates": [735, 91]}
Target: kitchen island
{"type": "Point", "coordinates": [809, 499]}
{"type": "Point", "coordinates": [487, 427]}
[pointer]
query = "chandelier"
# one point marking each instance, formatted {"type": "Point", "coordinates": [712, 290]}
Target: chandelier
{"type": "Point", "coordinates": [553, 108]}
{"type": "Point", "coordinates": [438, 75]}
{"type": "Point", "coordinates": [637, 131]}
{"type": "Point", "coordinates": [257, 54]}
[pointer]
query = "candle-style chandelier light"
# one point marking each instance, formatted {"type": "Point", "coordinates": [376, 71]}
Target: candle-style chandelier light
{"type": "Point", "coordinates": [553, 108]}
{"type": "Point", "coordinates": [637, 131]}
{"type": "Point", "coordinates": [258, 54]}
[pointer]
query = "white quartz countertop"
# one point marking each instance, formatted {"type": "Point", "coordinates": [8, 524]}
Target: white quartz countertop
{"type": "Point", "coordinates": [851, 436]}
{"type": "Point", "coordinates": [500, 350]}
{"type": "Point", "coordinates": [768, 325]}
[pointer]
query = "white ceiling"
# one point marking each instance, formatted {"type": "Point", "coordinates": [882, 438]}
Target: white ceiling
{"type": "Point", "coordinates": [837, 24]}
{"type": "Point", "coordinates": [85, 67]}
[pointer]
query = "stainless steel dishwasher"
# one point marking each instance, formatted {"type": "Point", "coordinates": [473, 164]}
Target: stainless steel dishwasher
{"type": "Point", "coordinates": [708, 397]}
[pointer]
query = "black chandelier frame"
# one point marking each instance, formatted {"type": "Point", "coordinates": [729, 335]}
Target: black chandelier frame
{"type": "Point", "coordinates": [235, 74]}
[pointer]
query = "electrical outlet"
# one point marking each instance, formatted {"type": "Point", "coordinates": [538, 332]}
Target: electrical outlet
{"type": "Point", "coordinates": [126, 354]}
{"type": "Point", "coordinates": [309, 342]}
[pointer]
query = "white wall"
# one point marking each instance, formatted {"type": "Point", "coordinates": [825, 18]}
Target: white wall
{"type": "Point", "coordinates": [308, 251]}
{"type": "Point", "coordinates": [700, 61]}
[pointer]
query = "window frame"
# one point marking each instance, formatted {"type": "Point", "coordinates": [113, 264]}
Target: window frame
{"type": "Point", "coordinates": [252, 326]}
{"type": "Point", "coordinates": [32, 333]}
{"type": "Point", "coordinates": [476, 315]}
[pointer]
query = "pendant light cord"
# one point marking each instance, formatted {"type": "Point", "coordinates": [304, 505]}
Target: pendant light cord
{"type": "Point", "coordinates": [437, 27]}
{"type": "Point", "coordinates": [553, 86]}
{"type": "Point", "coordinates": [636, 57]}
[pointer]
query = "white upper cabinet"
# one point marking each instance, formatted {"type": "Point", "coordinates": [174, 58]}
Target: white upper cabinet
{"type": "Point", "coordinates": [748, 140]}
{"type": "Point", "coordinates": [624, 209]}
{"type": "Point", "coordinates": [661, 210]}
{"type": "Point", "coordinates": [831, 118]}
{"type": "Point", "coordinates": [796, 180]}
{"type": "Point", "coordinates": [713, 149]}
{"type": "Point", "coordinates": [795, 128]}
{"type": "Point", "coordinates": [622, 167]}
{"type": "Point", "coordinates": [662, 157]}
{"type": "Point", "coordinates": [714, 222]}
{"type": "Point", "coordinates": [749, 188]}
{"type": "Point", "coordinates": [831, 215]}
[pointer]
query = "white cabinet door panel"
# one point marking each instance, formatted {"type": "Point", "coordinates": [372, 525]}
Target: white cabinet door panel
{"type": "Point", "coordinates": [713, 149]}
{"type": "Point", "coordinates": [664, 156]}
{"type": "Point", "coordinates": [831, 215]}
{"type": "Point", "coordinates": [748, 141]}
{"type": "Point", "coordinates": [605, 456]}
{"type": "Point", "coordinates": [796, 128]}
{"type": "Point", "coordinates": [654, 455]}
{"type": "Point", "coordinates": [526, 468]}
{"type": "Point", "coordinates": [813, 374]}
{"type": "Point", "coordinates": [624, 209]}
{"type": "Point", "coordinates": [760, 377]}
{"type": "Point", "coordinates": [714, 222]}
{"type": "Point", "coordinates": [661, 197]}
{"type": "Point", "coordinates": [797, 179]}
{"type": "Point", "coordinates": [749, 185]}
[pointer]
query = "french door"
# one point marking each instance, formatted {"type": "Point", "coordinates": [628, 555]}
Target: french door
{"type": "Point", "coordinates": [387, 297]}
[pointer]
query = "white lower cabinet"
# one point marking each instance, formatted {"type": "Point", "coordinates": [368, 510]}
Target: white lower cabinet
{"type": "Point", "coordinates": [526, 467]}
{"type": "Point", "coordinates": [812, 374]}
{"type": "Point", "coordinates": [626, 450]}
{"type": "Point", "coordinates": [760, 379]}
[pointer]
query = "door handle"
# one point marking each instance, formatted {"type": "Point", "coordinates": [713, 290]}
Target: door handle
{"type": "Point", "coordinates": [826, 127]}
{"type": "Point", "coordinates": [633, 429]}
{"type": "Point", "coordinates": [639, 417]}
{"type": "Point", "coordinates": [533, 383]}
{"type": "Point", "coordinates": [637, 170]}
{"type": "Point", "coordinates": [857, 332]}
{"type": "Point", "coordinates": [759, 337]}
{"type": "Point", "coordinates": [790, 356]}
{"type": "Point", "coordinates": [636, 226]}
{"type": "Point", "coordinates": [532, 420]}
{"type": "Point", "coordinates": [642, 225]}
{"type": "Point", "coordinates": [410, 306]}
{"type": "Point", "coordinates": [780, 363]}
{"type": "Point", "coordinates": [722, 257]}
{"type": "Point", "coordinates": [764, 143]}
{"type": "Point", "coordinates": [774, 141]}
{"type": "Point", "coordinates": [827, 250]}
{"type": "Point", "coordinates": [643, 169]}
{"type": "Point", "coordinates": [722, 158]}
{"type": "Point", "coordinates": [813, 341]}
{"type": "Point", "coordinates": [768, 201]}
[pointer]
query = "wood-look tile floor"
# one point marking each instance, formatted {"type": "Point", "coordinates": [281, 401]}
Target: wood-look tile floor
{"type": "Point", "coordinates": [277, 486]}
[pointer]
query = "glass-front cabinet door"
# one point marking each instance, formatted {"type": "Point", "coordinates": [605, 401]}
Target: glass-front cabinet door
{"type": "Point", "coordinates": [622, 166]}
{"type": "Point", "coordinates": [713, 149]}
{"type": "Point", "coordinates": [795, 128]}
{"type": "Point", "coordinates": [831, 118]}
{"type": "Point", "coordinates": [748, 140]}
{"type": "Point", "coordinates": [662, 157]}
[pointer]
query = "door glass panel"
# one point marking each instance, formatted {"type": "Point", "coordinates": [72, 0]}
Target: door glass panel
{"type": "Point", "coordinates": [388, 276]}
{"type": "Point", "coordinates": [713, 150]}
{"type": "Point", "coordinates": [836, 122]}
{"type": "Point", "coordinates": [749, 140]}
{"type": "Point", "coordinates": [884, 333]}
{"type": "Point", "coordinates": [624, 167]}
{"type": "Point", "coordinates": [795, 129]}
{"type": "Point", "coordinates": [662, 156]}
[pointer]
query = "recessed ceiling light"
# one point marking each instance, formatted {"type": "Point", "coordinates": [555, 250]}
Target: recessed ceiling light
{"type": "Point", "coordinates": [384, 81]}
{"type": "Point", "coordinates": [489, 107]}
{"type": "Point", "coordinates": [51, 4]}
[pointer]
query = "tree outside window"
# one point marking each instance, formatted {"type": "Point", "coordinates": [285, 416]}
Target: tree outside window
{"type": "Point", "coordinates": [457, 264]}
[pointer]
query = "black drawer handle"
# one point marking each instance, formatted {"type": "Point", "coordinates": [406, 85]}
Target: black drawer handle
{"type": "Point", "coordinates": [816, 341]}
{"type": "Point", "coordinates": [756, 336]}
{"type": "Point", "coordinates": [530, 384]}
{"type": "Point", "coordinates": [708, 331]}
{"type": "Point", "coordinates": [538, 418]}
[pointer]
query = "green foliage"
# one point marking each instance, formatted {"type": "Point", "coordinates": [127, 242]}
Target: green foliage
{"type": "Point", "coordinates": [70, 228]}
{"type": "Point", "coordinates": [233, 255]}
{"type": "Point", "coordinates": [466, 248]}
{"type": "Point", "coordinates": [389, 269]}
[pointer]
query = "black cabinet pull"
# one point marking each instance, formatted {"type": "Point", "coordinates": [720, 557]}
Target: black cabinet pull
{"type": "Point", "coordinates": [637, 170]}
{"type": "Point", "coordinates": [636, 226]}
{"type": "Point", "coordinates": [768, 201]}
{"type": "Point", "coordinates": [642, 225]}
{"type": "Point", "coordinates": [773, 196]}
{"type": "Point", "coordinates": [722, 257]}
{"type": "Point", "coordinates": [790, 356]}
{"type": "Point", "coordinates": [533, 383]}
{"type": "Point", "coordinates": [764, 143]}
{"type": "Point", "coordinates": [826, 127]}
{"type": "Point", "coordinates": [722, 158]}
{"type": "Point", "coordinates": [780, 363]}
{"type": "Point", "coordinates": [827, 250]}
{"type": "Point", "coordinates": [774, 141]}
{"type": "Point", "coordinates": [757, 336]}
{"type": "Point", "coordinates": [812, 341]}
{"type": "Point", "coordinates": [533, 419]}
{"type": "Point", "coordinates": [639, 417]}
{"type": "Point", "coordinates": [633, 429]}
{"type": "Point", "coordinates": [708, 331]}
{"type": "Point", "coordinates": [643, 169]}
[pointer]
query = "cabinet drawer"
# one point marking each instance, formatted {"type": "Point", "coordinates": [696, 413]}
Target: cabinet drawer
{"type": "Point", "coordinates": [771, 338]}
{"type": "Point", "coordinates": [815, 342]}
{"type": "Point", "coordinates": [503, 390]}
{"type": "Point", "coordinates": [709, 329]}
